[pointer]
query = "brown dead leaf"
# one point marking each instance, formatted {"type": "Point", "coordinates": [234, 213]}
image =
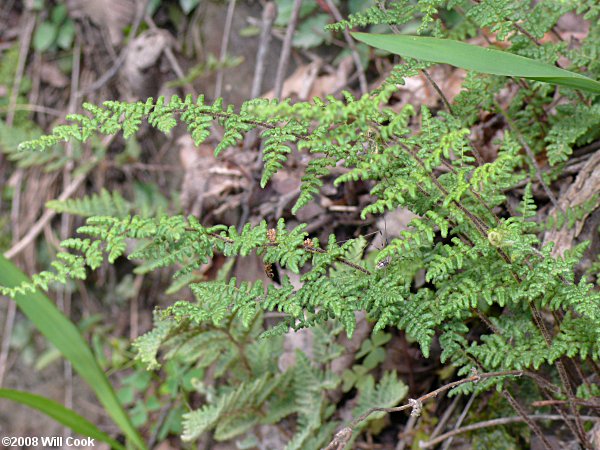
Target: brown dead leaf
{"type": "Point", "coordinates": [585, 186]}
{"type": "Point", "coordinates": [112, 15]}
{"type": "Point", "coordinates": [298, 84]}
{"type": "Point", "coordinates": [329, 84]}
{"type": "Point", "coordinates": [141, 68]}
{"type": "Point", "coordinates": [305, 83]}
{"type": "Point", "coordinates": [51, 74]}
{"type": "Point", "coordinates": [418, 90]}
{"type": "Point", "coordinates": [209, 184]}
{"type": "Point", "coordinates": [285, 182]}
{"type": "Point", "coordinates": [390, 226]}
{"type": "Point", "coordinates": [147, 48]}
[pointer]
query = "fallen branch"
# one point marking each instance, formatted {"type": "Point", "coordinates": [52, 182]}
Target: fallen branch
{"type": "Point", "coordinates": [495, 423]}
{"type": "Point", "coordinates": [343, 436]}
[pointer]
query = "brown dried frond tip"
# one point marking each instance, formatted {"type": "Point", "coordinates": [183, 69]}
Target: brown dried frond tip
{"type": "Point", "coordinates": [309, 243]}
{"type": "Point", "coordinates": [269, 270]}
{"type": "Point", "coordinates": [272, 235]}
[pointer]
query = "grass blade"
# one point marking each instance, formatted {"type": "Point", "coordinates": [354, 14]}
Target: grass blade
{"type": "Point", "coordinates": [479, 59]}
{"type": "Point", "coordinates": [61, 414]}
{"type": "Point", "coordinates": [65, 336]}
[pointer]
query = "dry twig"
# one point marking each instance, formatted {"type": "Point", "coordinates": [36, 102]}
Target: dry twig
{"type": "Point", "coordinates": [25, 39]}
{"type": "Point", "coordinates": [286, 49]}
{"type": "Point", "coordinates": [224, 47]}
{"type": "Point", "coordinates": [460, 420]}
{"type": "Point", "coordinates": [362, 79]}
{"type": "Point", "coordinates": [48, 215]}
{"type": "Point", "coordinates": [414, 404]}
{"type": "Point", "coordinates": [525, 417]}
{"type": "Point", "coordinates": [268, 17]}
{"type": "Point", "coordinates": [495, 423]}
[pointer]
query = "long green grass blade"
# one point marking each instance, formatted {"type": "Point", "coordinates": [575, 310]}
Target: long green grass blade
{"type": "Point", "coordinates": [63, 415]}
{"type": "Point", "coordinates": [479, 59]}
{"type": "Point", "coordinates": [65, 336]}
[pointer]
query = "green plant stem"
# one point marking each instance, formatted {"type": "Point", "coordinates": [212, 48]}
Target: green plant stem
{"type": "Point", "coordinates": [305, 247]}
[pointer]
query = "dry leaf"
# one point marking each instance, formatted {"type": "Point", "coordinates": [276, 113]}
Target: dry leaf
{"type": "Point", "coordinates": [418, 90]}
{"type": "Point", "coordinates": [141, 66]}
{"type": "Point", "coordinates": [112, 15]}
{"type": "Point", "coordinates": [209, 184]}
{"type": "Point", "coordinates": [585, 186]}
{"type": "Point", "coordinates": [298, 84]}
{"type": "Point", "coordinates": [305, 83]}
{"type": "Point", "coordinates": [330, 84]}
{"type": "Point", "coordinates": [51, 74]}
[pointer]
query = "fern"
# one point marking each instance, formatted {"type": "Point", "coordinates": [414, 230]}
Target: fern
{"type": "Point", "coordinates": [231, 413]}
{"type": "Point", "coordinates": [468, 272]}
{"type": "Point", "coordinates": [387, 393]}
{"type": "Point", "coordinates": [103, 204]}
{"type": "Point", "coordinates": [574, 124]}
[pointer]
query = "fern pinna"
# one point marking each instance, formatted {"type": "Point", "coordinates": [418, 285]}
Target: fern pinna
{"type": "Point", "coordinates": [466, 275]}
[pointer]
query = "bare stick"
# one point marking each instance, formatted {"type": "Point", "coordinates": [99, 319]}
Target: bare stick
{"type": "Point", "coordinates": [439, 91]}
{"type": "Point", "coordinates": [496, 423]}
{"type": "Point", "coordinates": [268, 17]}
{"type": "Point", "coordinates": [362, 79]}
{"type": "Point", "coordinates": [415, 405]}
{"type": "Point", "coordinates": [534, 427]}
{"type": "Point", "coordinates": [46, 217]}
{"type": "Point", "coordinates": [593, 403]}
{"type": "Point", "coordinates": [34, 108]}
{"type": "Point", "coordinates": [460, 420]}
{"type": "Point", "coordinates": [286, 49]}
{"type": "Point", "coordinates": [25, 38]}
{"type": "Point", "coordinates": [12, 306]}
{"type": "Point", "coordinates": [445, 417]}
{"type": "Point", "coordinates": [37, 228]}
{"type": "Point", "coordinates": [224, 46]}
{"type": "Point", "coordinates": [6, 334]}
{"type": "Point", "coordinates": [410, 425]}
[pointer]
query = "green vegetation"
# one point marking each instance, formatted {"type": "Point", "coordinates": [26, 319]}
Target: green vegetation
{"type": "Point", "coordinates": [469, 281]}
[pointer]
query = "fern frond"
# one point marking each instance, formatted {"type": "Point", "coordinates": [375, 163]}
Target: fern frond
{"type": "Point", "coordinates": [103, 204]}
{"type": "Point", "coordinates": [232, 413]}
{"type": "Point", "coordinates": [388, 392]}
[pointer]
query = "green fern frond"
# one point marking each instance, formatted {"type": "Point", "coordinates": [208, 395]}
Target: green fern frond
{"type": "Point", "coordinates": [103, 204]}
{"type": "Point", "coordinates": [232, 413]}
{"type": "Point", "coordinates": [388, 392]}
